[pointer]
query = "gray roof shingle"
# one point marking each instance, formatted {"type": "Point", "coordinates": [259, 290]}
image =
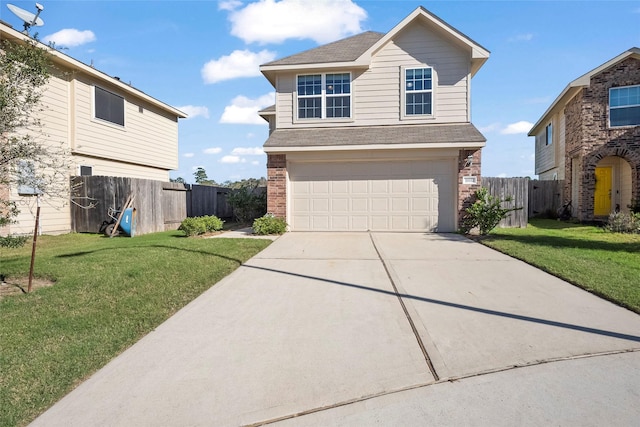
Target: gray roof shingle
{"type": "Point", "coordinates": [401, 134]}
{"type": "Point", "coordinates": [344, 50]}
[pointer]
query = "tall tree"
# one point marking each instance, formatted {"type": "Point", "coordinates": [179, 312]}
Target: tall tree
{"type": "Point", "coordinates": [201, 177]}
{"type": "Point", "coordinates": [28, 157]}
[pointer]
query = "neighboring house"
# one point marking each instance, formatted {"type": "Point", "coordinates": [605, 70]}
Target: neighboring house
{"type": "Point", "coordinates": [590, 138]}
{"type": "Point", "coordinates": [109, 127]}
{"type": "Point", "coordinates": [373, 132]}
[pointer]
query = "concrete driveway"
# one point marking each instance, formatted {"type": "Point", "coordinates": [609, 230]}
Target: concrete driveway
{"type": "Point", "coordinates": [382, 328]}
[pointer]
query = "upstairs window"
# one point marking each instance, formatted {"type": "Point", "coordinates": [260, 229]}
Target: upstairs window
{"type": "Point", "coordinates": [624, 106]}
{"type": "Point", "coordinates": [324, 96]}
{"type": "Point", "coordinates": [548, 134]}
{"type": "Point", "coordinates": [108, 106]}
{"type": "Point", "coordinates": [418, 91]}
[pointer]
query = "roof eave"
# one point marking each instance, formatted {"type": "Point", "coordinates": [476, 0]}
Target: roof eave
{"type": "Point", "coordinates": [301, 148]}
{"type": "Point", "coordinates": [75, 65]}
{"type": "Point", "coordinates": [270, 71]}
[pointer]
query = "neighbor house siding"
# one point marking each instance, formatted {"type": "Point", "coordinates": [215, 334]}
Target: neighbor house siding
{"type": "Point", "coordinates": [148, 137]}
{"type": "Point", "coordinates": [112, 168]}
{"type": "Point", "coordinates": [376, 92]}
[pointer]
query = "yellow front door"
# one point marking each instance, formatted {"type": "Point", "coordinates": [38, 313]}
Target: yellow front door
{"type": "Point", "coordinates": [602, 196]}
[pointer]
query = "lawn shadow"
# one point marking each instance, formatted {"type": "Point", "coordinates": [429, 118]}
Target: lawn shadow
{"type": "Point", "coordinates": [201, 252]}
{"type": "Point", "coordinates": [566, 242]}
{"type": "Point", "coordinates": [514, 316]}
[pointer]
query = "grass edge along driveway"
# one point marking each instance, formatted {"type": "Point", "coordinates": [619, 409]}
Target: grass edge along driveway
{"type": "Point", "coordinates": [606, 264]}
{"type": "Point", "coordinates": [108, 293]}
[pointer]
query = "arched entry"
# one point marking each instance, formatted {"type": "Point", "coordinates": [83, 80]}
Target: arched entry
{"type": "Point", "coordinates": [613, 186]}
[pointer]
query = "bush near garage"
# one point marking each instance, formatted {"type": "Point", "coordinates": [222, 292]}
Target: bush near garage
{"type": "Point", "coordinates": [200, 225]}
{"type": "Point", "coordinates": [269, 224]}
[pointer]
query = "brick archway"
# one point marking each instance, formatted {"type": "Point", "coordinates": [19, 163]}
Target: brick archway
{"type": "Point", "coordinates": [591, 160]}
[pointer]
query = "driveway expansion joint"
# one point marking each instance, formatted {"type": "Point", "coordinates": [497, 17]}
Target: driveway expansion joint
{"type": "Point", "coordinates": [432, 369]}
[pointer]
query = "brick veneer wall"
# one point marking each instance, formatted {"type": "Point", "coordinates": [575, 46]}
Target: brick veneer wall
{"type": "Point", "coordinates": [277, 184]}
{"type": "Point", "coordinates": [589, 138]}
{"type": "Point", "coordinates": [466, 191]}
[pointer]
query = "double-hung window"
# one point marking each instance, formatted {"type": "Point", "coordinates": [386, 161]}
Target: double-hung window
{"type": "Point", "coordinates": [108, 106]}
{"type": "Point", "coordinates": [624, 106]}
{"type": "Point", "coordinates": [324, 96]}
{"type": "Point", "coordinates": [418, 91]}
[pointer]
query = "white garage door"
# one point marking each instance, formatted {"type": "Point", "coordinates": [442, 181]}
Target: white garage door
{"type": "Point", "coordinates": [376, 196]}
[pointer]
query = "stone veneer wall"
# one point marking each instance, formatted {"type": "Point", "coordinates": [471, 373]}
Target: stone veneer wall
{"type": "Point", "coordinates": [589, 138]}
{"type": "Point", "coordinates": [277, 185]}
{"type": "Point", "coordinates": [466, 191]}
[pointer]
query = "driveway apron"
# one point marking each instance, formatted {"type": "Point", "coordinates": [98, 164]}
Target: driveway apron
{"type": "Point", "coordinates": [359, 328]}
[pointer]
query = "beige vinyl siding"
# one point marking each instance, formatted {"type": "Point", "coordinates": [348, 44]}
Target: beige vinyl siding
{"type": "Point", "coordinates": [376, 92]}
{"type": "Point", "coordinates": [560, 147]}
{"type": "Point", "coordinates": [148, 137]}
{"type": "Point", "coordinates": [546, 154]}
{"type": "Point", "coordinates": [112, 168]}
{"type": "Point", "coordinates": [55, 216]}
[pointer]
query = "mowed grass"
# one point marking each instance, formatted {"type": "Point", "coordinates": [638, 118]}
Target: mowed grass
{"type": "Point", "coordinates": [108, 293]}
{"type": "Point", "coordinates": [607, 264]}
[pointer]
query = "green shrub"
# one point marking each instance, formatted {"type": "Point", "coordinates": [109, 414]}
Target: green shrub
{"type": "Point", "coordinates": [13, 241]}
{"type": "Point", "coordinates": [620, 222]}
{"type": "Point", "coordinates": [485, 213]}
{"type": "Point", "coordinates": [212, 223]}
{"type": "Point", "coordinates": [248, 203]}
{"type": "Point", "coordinates": [269, 224]}
{"type": "Point", "coordinates": [193, 226]}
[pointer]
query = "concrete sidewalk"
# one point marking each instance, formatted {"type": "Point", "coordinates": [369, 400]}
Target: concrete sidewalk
{"type": "Point", "coordinates": [312, 331]}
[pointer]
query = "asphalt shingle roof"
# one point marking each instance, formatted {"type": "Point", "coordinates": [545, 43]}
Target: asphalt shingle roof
{"type": "Point", "coordinates": [344, 50]}
{"type": "Point", "coordinates": [401, 134]}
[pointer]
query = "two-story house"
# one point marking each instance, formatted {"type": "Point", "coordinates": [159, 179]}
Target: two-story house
{"type": "Point", "coordinates": [373, 132]}
{"type": "Point", "coordinates": [108, 127]}
{"type": "Point", "coordinates": [590, 138]}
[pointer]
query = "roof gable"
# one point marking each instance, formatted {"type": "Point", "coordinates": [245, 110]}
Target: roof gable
{"type": "Point", "coordinates": [581, 82]}
{"type": "Point", "coordinates": [479, 54]}
{"type": "Point", "coordinates": [357, 51]}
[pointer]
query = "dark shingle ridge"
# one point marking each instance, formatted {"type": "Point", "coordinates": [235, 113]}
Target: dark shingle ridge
{"type": "Point", "coordinates": [344, 50]}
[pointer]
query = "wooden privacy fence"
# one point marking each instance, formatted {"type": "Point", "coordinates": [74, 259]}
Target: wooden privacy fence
{"type": "Point", "coordinates": [517, 189]}
{"type": "Point", "coordinates": [159, 205]}
{"type": "Point", "coordinates": [537, 198]}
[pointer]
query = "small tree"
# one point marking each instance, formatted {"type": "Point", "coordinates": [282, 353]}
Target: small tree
{"type": "Point", "coordinates": [27, 157]}
{"type": "Point", "coordinates": [248, 203]}
{"type": "Point", "coordinates": [486, 212]}
{"type": "Point", "coordinates": [201, 177]}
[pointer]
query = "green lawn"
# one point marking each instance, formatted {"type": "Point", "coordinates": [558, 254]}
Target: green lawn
{"type": "Point", "coordinates": [607, 264]}
{"type": "Point", "coordinates": [108, 293]}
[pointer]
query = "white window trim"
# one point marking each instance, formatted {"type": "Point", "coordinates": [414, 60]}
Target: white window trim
{"type": "Point", "coordinates": [615, 108]}
{"type": "Point", "coordinates": [403, 93]}
{"type": "Point", "coordinates": [323, 100]}
{"type": "Point", "coordinates": [103, 121]}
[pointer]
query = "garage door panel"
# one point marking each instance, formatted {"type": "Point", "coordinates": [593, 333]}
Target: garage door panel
{"type": "Point", "coordinates": [379, 204]}
{"type": "Point", "coordinates": [373, 195]}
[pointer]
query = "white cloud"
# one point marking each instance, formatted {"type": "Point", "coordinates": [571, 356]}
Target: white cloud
{"type": "Point", "coordinates": [521, 37]}
{"type": "Point", "coordinates": [252, 151]}
{"type": "Point", "coordinates": [196, 167]}
{"type": "Point", "coordinates": [270, 21]}
{"type": "Point", "coordinates": [502, 175]}
{"type": "Point", "coordinates": [229, 4]}
{"type": "Point", "coordinates": [255, 163]}
{"type": "Point", "coordinates": [240, 63]}
{"type": "Point", "coordinates": [518, 127]}
{"type": "Point", "coordinates": [232, 159]}
{"type": "Point", "coordinates": [489, 128]}
{"type": "Point", "coordinates": [188, 155]}
{"type": "Point", "coordinates": [245, 111]}
{"type": "Point", "coordinates": [70, 37]}
{"type": "Point", "coordinates": [195, 111]}
{"type": "Point", "coordinates": [212, 150]}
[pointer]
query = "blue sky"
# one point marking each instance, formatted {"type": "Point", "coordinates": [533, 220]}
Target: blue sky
{"type": "Point", "coordinates": [203, 56]}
